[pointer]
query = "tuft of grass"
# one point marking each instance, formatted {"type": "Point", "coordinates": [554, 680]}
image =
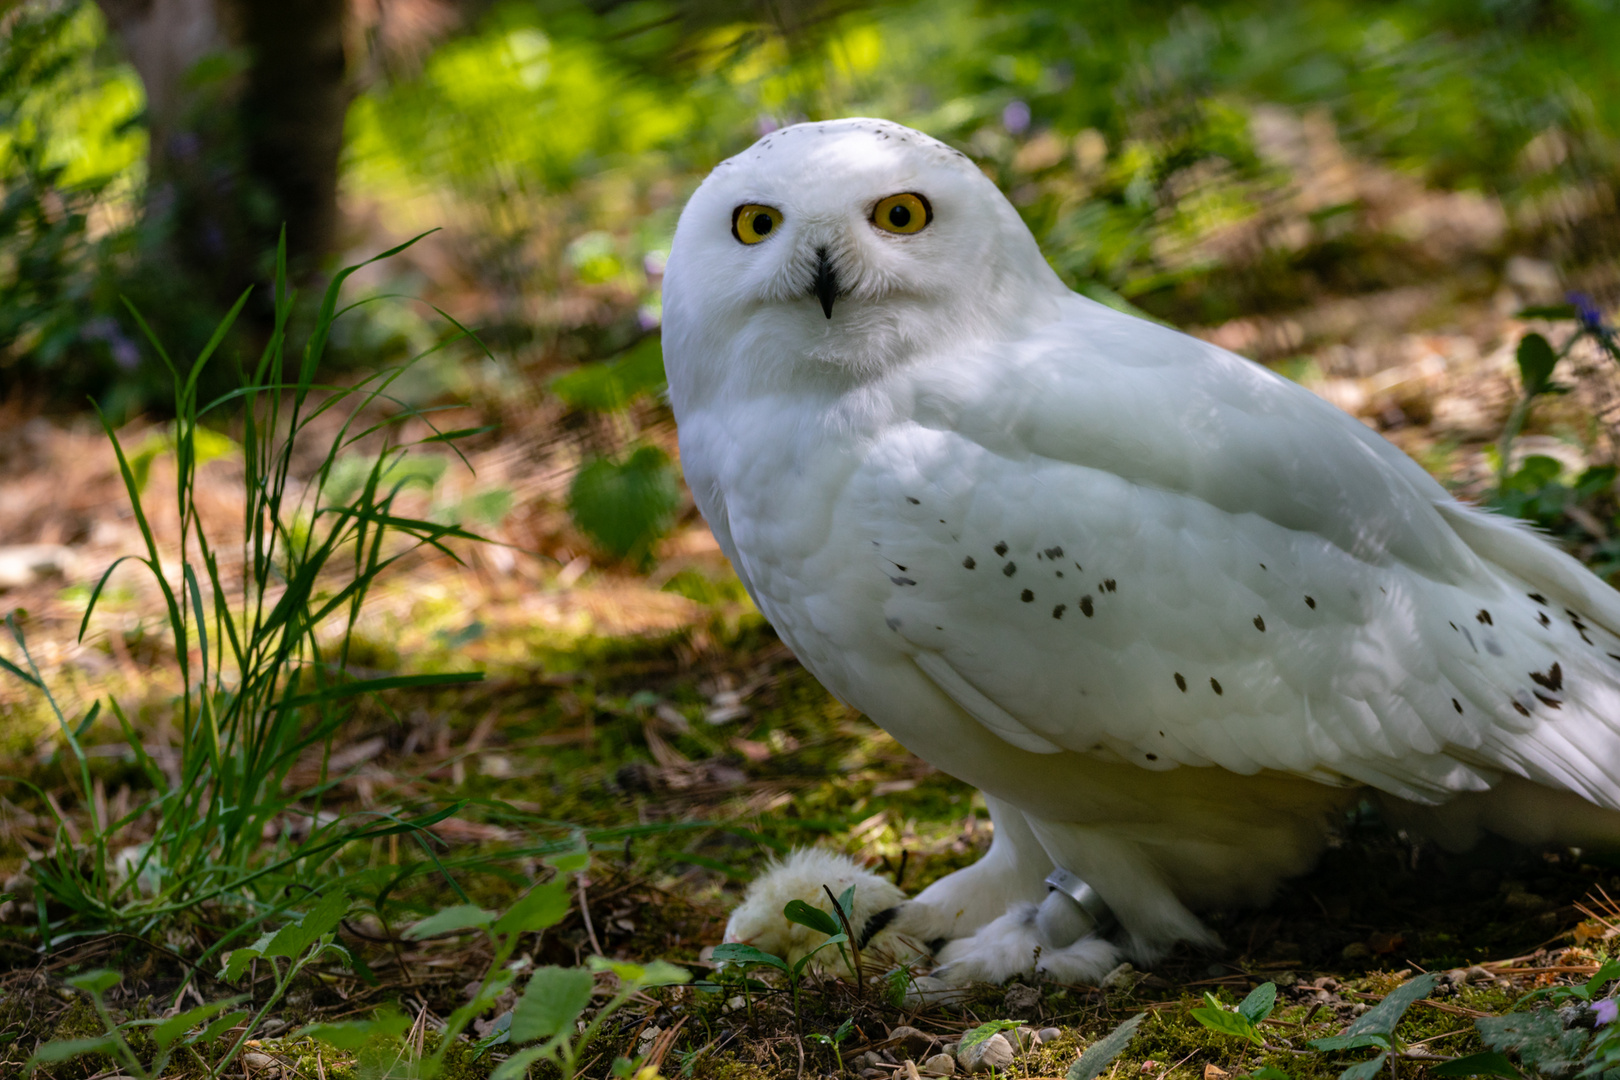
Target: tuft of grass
{"type": "Point", "coordinates": [263, 646]}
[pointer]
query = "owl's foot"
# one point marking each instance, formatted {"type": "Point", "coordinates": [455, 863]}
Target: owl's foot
{"type": "Point", "coordinates": [1011, 945]}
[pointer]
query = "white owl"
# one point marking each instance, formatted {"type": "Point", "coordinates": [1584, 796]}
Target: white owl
{"type": "Point", "coordinates": [1173, 614]}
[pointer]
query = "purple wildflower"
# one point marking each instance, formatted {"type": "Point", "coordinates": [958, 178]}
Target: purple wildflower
{"type": "Point", "coordinates": [1015, 117]}
{"type": "Point", "coordinates": [1587, 312]}
{"type": "Point", "coordinates": [1607, 1011]}
{"type": "Point", "coordinates": [102, 328]}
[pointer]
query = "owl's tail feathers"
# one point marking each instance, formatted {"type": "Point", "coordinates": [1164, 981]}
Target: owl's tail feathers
{"type": "Point", "coordinates": [1564, 732]}
{"type": "Point", "coordinates": [1520, 810]}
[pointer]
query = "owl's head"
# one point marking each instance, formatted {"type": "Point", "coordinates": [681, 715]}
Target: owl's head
{"type": "Point", "coordinates": [834, 251]}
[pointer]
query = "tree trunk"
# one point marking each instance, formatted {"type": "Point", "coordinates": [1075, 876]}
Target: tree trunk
{"type": "Point", "coordinates": [245, 103]}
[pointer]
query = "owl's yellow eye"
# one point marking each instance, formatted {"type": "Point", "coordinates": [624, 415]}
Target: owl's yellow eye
{"type": "Point", "coordinates": [904, 213]}
{"type": "Point", "coordinates": [752, 223]}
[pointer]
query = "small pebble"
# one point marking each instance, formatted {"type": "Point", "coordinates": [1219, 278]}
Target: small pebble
{"type": "Point", "coordinates": [255, 1060]}
{"type": "Point", "coordinates": [873, 1074]}
{"type": "Point", "coordinates": [1021, 998]}
{"type": "Point", "coordinates": [1121, 978]}
{"type": "Point", "coordinates": [1047, 1034]}
{"type": "Point", "coordinates": [993, 1053]}
{"type": "Point", "coordinates": [939, 1065]}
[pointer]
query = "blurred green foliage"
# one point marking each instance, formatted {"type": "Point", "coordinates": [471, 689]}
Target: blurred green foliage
{"type": "Point", "coordinates": [614, 385]}
{"type": "Point", "coordinates": [626, 505]}
{"type": "Point", "coordinates": [556, 139]}
{"type": "Point", "coordinates": [70, 162]}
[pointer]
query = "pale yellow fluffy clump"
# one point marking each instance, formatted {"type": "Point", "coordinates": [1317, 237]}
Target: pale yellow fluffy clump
{"type": "Point", "coordinates": [758, 920]}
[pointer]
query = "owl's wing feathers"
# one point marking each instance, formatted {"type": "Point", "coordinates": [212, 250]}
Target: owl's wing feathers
{"type": "Point", "coordinates": [1118, 540]}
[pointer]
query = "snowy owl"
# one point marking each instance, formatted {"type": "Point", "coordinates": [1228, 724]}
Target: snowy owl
{"type": "Point", "coordinates": [1172, 613]}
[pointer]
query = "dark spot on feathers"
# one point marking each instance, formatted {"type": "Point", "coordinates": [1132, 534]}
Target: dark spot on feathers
{"type": "Point", "coordinates": [1057, 612]}
{"type": "Point", "coordinates": [1551, 703]}
{"type": "Point", "coordinates": [1452, 625]}
{"type": "Point", "coordinates": [1054, 553]}
{"type": "Point", "coordinates": [900, 568]}
{"type": "Point", "coordinates": [1260, 624]}
{"type": "Point", "coordinates": [1310, 602]}
{"type": "Point", "coordinates": [1181, 684]}
{"type": "Point", "coordinates": [1001, 548]}
{"type": "Point", "coordinates": [1553, 679]}
{"type": "Point", "coordinates": [1541, 617]}
{"type": "Point", "coordinates": [1060, 573]}
{"type": "Point", "coordinates": [1153, 757]}
{"type": "Point", "coordinates": [1108, 584]}
{"type": "Point", "coordinates": [968, 563]}
{"type": "Point", "coordinates": [1484, 617]}
{"type": "Point", "coordinates": [894, 623]}
{"type": "Point", "coordinates": [876, 923]}
{"type": "Point", "coordinates": [913, 502]}
{"type": "Point", "coordinates": [1520, 709]}
{"type": "Point", "coordinates": [1262, 566]}
{"type": "Point", "coordinates": [1215, 686]}
{"type": "Point", "coordinates": [1027, 595]}
{"type": "Point", "coordinates": [1080, 568]}
{"type": "Point", "coordinates": [1010, 569]}
{"type": "Point", "coordinates": [1455, 704]}
{"type": "Point", "coordinates": [1613, 657]}
{"type": "Point", "coordinates": [901, 580]}
{"type": "Point", "coordinates": [1537, 597]}
{"type": "Point", "coordinates": [1582, 631]}
{"type": "Point", "coordinates": [1085, 606]}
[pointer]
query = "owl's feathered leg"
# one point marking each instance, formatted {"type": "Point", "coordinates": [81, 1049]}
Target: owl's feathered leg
{"type": "Point", "coordinates": [1013, 871]}
{"type": "Point", "coordinates": [1151, 918]}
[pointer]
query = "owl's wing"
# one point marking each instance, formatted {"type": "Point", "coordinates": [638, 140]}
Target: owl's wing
{"type": "Point", "coordinates": [1118, 540]}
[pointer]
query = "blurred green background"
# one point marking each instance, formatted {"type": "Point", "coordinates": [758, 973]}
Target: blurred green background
{"type": "Point", "coordinates": [1199, 162]}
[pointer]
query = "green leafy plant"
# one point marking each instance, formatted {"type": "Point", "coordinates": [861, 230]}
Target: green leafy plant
{"type": "Point", "coordinates": [1244, 1023]}
{"type": "Point", "coordinates": [797, 911]}
{"type": "Point", "coordinates": [167, 1035]}
{"type": "Point", "coordinates": [305, 939]}
{"type": "Point", "coordinates": [1537, 360]}
{"type": "Point", "coordinates": [625, 506]}
{"type": "Point", "coordinates": [835, 1040]}
{"type": "Point", "coordinates": [553, 998]}
{"type": "Point", "coordinates": [263, 663]}
{"type": "Point", "coordinates": [1375, 1028]}
{"type": "Point", "coordinates": [553, 1001]}
{"type": "Point", "coordinates": [1540, 1037]}
{"type": "Point", "coordinates": [1101, 1053]}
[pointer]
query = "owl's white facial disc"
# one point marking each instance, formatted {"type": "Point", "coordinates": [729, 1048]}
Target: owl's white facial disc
{"type": "Point", "coordinates": [820, 290]}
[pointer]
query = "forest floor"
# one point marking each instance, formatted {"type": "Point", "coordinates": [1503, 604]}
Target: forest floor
{"type": "Point", "coordinates": [660, 704]}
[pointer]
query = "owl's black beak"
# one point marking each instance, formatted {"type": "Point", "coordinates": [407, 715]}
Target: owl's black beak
{"type": "Point", "coordinates": [826, 286]}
